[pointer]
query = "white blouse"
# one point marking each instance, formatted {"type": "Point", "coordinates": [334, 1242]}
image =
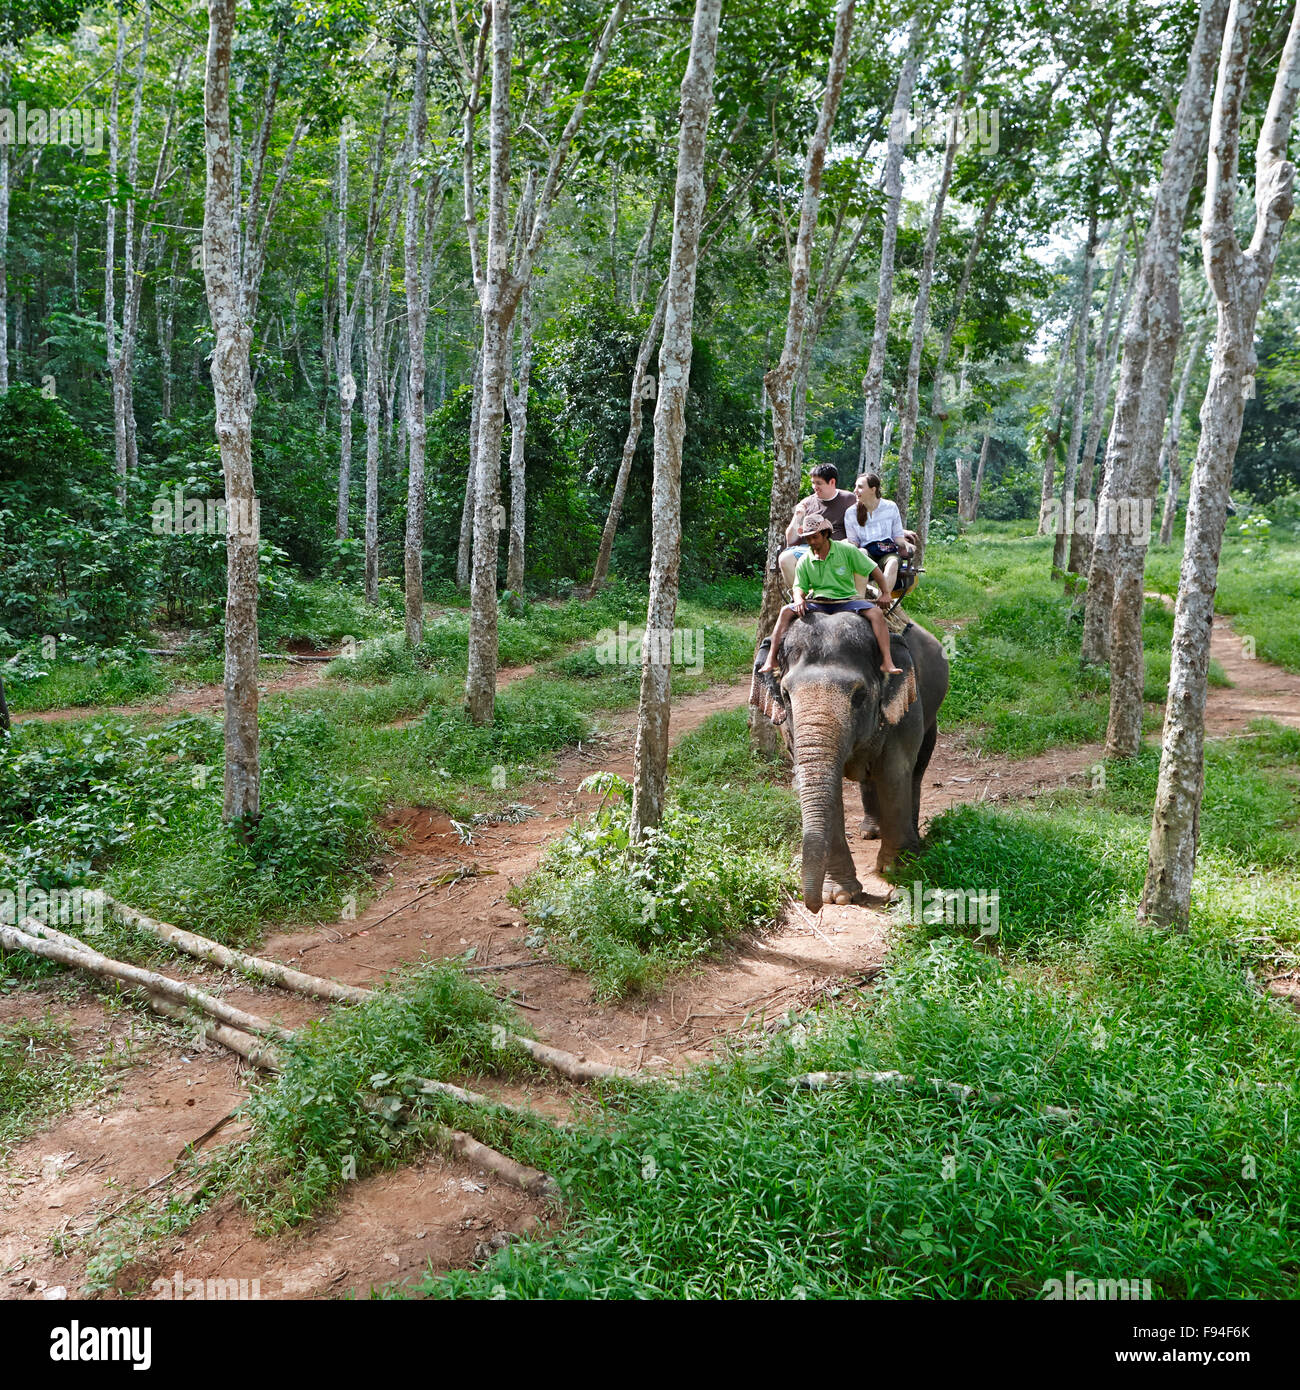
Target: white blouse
{"type": "Point", "coordinates": [884, 524]}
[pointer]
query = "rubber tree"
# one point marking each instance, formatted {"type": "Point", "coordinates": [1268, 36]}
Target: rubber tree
{"type": "Point", "coordinates": [873, 382]}
{"type": "Point", "coordinates": [1134, 452]}
{"type": "Point", "coordinates": [499, 294]}
{"type": "Point", "coordinates": [234, 257]}
{"type": "Point", "coordinates": [417, 310]}
{"type": "Point", "coordinates": [1238, 276]}
{"type": "Point", "coordinates": [779, 380]}
{"type": "Point", "coordinates": [1069, 472]}
{"type": "Point", "coordinates": [650, 767]}
{"type": "Point", "coordinates": [1169, 452]}
{"type": "Point", "coordinates": [938, 417]}
{"type": "Point", "coordinates": [1103, 375]}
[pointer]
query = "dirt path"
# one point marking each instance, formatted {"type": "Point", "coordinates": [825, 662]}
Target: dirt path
{"type": "Point", "coordinates": [439, 1211]}
{"type": "Point", "coordinates": [188, 699]}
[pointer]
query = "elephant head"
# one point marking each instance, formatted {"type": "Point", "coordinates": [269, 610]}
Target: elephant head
{"type": "Point", "coordinates": [841, 715]}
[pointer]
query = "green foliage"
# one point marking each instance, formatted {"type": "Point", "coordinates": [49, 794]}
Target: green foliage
{"type": "Point", "coordinates": [70, 561]}
{"type": "Point", "coordinates": [40, 1075]}
{"type": "Point", "coordinates": [345, 1102]}
{"type": "Point", "coordinates": [717, 866]}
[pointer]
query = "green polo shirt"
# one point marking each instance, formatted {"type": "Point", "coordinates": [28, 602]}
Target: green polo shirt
{"type": "Point", "coordinates": [832, 578]}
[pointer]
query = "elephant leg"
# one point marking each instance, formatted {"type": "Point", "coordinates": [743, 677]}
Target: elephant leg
{"type": "Point", "coordinates": [870, 827]}
{"type": "Point", "coordinates": [842, 884]}
{"type": "Point", "coordinates": [918, 775]}
{"type": "Point", "coordinates": [897, 800]}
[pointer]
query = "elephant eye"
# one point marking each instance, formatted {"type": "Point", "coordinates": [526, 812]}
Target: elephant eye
{"type": "Point", "coordinates": [859, 694]}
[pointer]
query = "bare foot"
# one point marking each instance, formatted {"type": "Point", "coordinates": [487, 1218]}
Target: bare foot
{"type": "Point", "coordinates": [891, 670]}
{"type": "Point", "coordinates": [767, 670]}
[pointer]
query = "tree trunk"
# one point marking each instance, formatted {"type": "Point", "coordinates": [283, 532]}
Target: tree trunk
{"type": "Point", "coordinates": [1102, 375]}
{"type": "Point", "coordinates": [651, 759]}
{"type": "Point", "coordinates": [112, 347]}
{"type": "Point", "coordinates": [871, 451]}
{"type": "Point", "coordinates": [499, 296]}
{"type": "Point", "coordinates": [1052, 435]}
{"type": "Point", "coordinates": [635, 414]}
{"type": "Point", "coordinates": [233, 389]}
{"type": "Point", "coordinates": [465, 550]}
{"type": "Point", "coordinates": [979, 476]}
{"type": "Point", "coordinates": [517, 405]}
{"type": "Point", "coordinates": [1238, 278]}
{"type": "Point", "coordinates": [1065, 516]}
{"type": "Point", "coordinates": [1170, 455]}
{"type": "Point", "coordinates": [1134, 478]}
{"type": "Point", "coordinates": [347, 383]}
{"type": "Point", "coordinates": [498, 311]}
{"type": "Point", "coordinates": [965, 492]}
{"type": "Point", "coordinates": [4, 244]}
{"type": "Point", "coordinates": [788, 445]}
{"type": "Point", "coordinates": [909, 414]}
{"type": "Point", "coordinates": [416, 313]}
{"type": "Point", "coordinates": [938, 422]}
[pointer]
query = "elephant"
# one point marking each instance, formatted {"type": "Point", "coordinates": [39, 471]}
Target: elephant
{"type": "Point", "coordinates": [844, 719]}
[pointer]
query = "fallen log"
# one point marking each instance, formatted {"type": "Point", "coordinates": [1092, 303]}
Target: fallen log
{"type": "Point", "coordinates": [44, 941]}
{"type": "Point", "coordinates": [204, 948]}
{"type": "Point", "coordinates": [427, 1087]}
{"type": "Point", "coordinates": [527, 1179]}
{"type": "Point", "coordinates": [243, 1044]}
{"type": "Point", "coordinates": [577, 1068]}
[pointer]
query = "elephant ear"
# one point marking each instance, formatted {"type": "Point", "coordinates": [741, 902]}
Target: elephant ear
{"type": "Point", "coordinates": [896, 704]}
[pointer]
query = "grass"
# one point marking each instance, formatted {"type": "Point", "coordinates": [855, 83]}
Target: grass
{"type": "Point", "coordinates": [1173, 1163]}
{"type": "Point", "coordinates": [346, 1104]}
{"type": "Point", "coordinates": [40, 1076]}
{"type": "Point", "coordinates": [1259, 586]}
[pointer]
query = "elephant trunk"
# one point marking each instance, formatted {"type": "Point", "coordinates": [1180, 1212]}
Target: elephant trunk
{"type": "Point", "coordinates": [819, 772]}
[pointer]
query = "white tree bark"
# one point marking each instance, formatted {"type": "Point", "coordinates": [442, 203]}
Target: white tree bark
{"type": "Point", "coordinates": [4, 260]}
{"type": "Point", "coordinates": [636, 407]}
{"type": "Point", "coordinates": [1238, 278]}
{"type": "Point", "coordinates": [347, 383]}
{"type": "Point", "coordinates": [636, 394]}
{"type": "Point", "coordinates": [979, 477]}
{"type": "Point", "coordinates": [1052, 434]}
{"type": "Point", "coordinates": [416, 317]}
{"type": "Point", "coordinates": [517, 407]}
{"type": "Point", "coordinates": [112, 344]}
{"type": "Point", "coordinates": [233, 388]}
{"type": "Point", "coordinates": [871, 451]}
{"type": "Point", "coordinates": [1103, 375]}
{"type": "Point", "coordinates": [375, 312]}
{"type": "Point", "coordinates": [500, 291]}
{"type": "Point", "coordinates": [650, 772]}
{"type": "Point", "coordinates": [1069, 474]}
{"type": "Point", "coordinates": [1134, 476]}
{"type": "Point", "coordinates": [779, 381]}
{"type": "Point", "coordinates": [938, 415]}
{"type": "Point", "coordinates": [910, 412]}
{"type": "Point", "coordinates": [1169, 455]}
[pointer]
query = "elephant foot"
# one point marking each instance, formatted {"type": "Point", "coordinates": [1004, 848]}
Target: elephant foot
{"type": "Point", "coordinates": [869, 828]}
{"type": "Point", "coordinates": [888, 855]}
{"type": "Point", "coordinates": [841, 893]}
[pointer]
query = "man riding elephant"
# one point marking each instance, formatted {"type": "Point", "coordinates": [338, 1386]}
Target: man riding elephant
{"type": "Point", "coordinates": [844, 717]}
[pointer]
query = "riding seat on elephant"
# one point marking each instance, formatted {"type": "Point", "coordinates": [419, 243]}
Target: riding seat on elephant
{"type": "Point", "coordinates": [842, 718]}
